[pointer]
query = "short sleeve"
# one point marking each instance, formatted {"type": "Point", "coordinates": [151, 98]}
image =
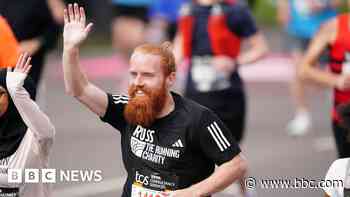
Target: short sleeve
{"type": "Point", "coordinates": [335, 172]}
{"type": "Point", "coordinates": [9, 48]}
{"type": "Point", "coordinates": [215, 139]}
{"type": "Point", "coordinates": [115, 111]}
{"type": "Point", "coordinates": [241, 21]}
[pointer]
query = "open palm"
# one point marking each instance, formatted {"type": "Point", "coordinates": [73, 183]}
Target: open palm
{"type": "Point", "coordinates": [75, 28]}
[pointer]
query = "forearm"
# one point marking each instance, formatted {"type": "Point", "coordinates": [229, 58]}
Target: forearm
{"type": "Point", "coordinates": [258, 50]}
{"type": "Point", "coordinates": [31, 114]}
{"type": "Point", "coordinates": [223, 176]}
{"type": "Point", "coordinates": [282, 11]}
{"type": "Point", "coordinates": [74, 79]}
{"type": "Point", "coordinates": [319, 76]}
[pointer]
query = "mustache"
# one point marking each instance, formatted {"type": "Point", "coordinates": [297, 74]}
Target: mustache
{"type": "Point", "coordinates": [133, 89]}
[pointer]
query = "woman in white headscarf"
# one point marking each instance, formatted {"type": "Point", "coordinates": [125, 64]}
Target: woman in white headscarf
{"type": "Point", "coordinates": [26, 133]}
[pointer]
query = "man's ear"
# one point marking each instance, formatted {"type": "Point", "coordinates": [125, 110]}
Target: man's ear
{"type": "Point", "coordinates": [171, 79]}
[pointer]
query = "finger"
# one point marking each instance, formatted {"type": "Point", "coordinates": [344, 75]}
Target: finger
{"type": "Point", "coordinates": [88, 28]}
{"type": "Point", "coordinates": [65, 15]}
{"type": "Point", "coordinates": [82, 15]}
{"type": "Point", "coordinates": [27, 70]}
{"type": "Point", "coordinates": [24, 60]}
{"type": "Point", "coordinates": [70, 12]}
{"type": "Point", "coordinates": [19, 60]}
{"type": "Point", "coordinates": [27, 63]}
{"type": "Point", "coordinates": [76, 12]}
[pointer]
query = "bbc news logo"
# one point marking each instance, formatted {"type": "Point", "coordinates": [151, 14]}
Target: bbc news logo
{"type": "Point", "coordinates": [52, 176]}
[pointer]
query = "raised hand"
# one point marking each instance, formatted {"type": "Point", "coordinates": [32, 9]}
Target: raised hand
{"type": "Point", "coordinates": [20, 72]}
{"type": "Point", "coordinates": [23, 64]}
{"type": "Point", "coordinates": [75, 28]}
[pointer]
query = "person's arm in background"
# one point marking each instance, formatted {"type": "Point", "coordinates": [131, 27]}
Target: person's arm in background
{"type": "Point", "coordinates": [75, 80]}
{"type": "Point", "coordinates": [308, 70]}
{"type": "Point", "coordinates": [177, 50]}
{"type": "Point", "coordinates": [248, 31]}
{"type": "Point", "coordinates": [257, 49]}
{"type": "Point", "coordinates": [57, 7]}
{"type": "Point", "coordinates": [283, 12]}
{"type": "Point", "coordinates": [30, 112]}
{"type": "Point", "coordinates": [9, 48]}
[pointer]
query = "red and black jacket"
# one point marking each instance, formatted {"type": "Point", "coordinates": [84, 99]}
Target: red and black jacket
{"type": "Point", "coordinates": [338, 57]}
{"type": "Point", "coordinates": [222, 40]}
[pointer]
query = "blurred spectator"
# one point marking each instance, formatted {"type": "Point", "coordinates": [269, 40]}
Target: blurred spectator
{"type": "Point", "coordinates": [34, 27]}
{"type": "Point", "coordinates": [301, 20]}
{"type": "Point", "coordinates": [164, 15]}
{"type": "Point", "coordinates": [129, 24]}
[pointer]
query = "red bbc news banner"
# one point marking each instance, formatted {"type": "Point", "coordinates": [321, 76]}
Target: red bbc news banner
{"type": "Point", "coordinates": [9, 47]}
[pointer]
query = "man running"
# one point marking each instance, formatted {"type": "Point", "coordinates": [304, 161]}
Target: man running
{"type": "Point", "coordinates": [301, 20]}
{"type": "Point", "coordinates": [210, 36]}
{"type": "Point", "coordinates": [334, 35]}
{"type": "Point", "coordinates": [170, 145]}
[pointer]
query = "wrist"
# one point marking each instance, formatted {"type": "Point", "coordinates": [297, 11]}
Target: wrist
{"type": "Point", "coordinates": [70, 49]}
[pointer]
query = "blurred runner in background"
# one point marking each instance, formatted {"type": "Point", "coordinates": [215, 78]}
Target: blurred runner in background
{"type": "Point", "coordinates": [301, 20]}
{"type": "Point", "coordinates": [37, 36]}
{"type": "Point", "coordinates": [129, 25]}
{"type": "Point", "coordinates": [335, 35]}
{"type": "Point", "coordinates": [164, 16]}
{"type": "Point", "coordinates": [209, 38]}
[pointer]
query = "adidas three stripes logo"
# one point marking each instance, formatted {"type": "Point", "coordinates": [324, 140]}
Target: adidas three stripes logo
{"type": "Point", "coordinates": [218, 136]}
{"type": "Point", "coordinates": [120, 99]}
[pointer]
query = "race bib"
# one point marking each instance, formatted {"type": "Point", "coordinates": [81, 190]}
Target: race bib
{"type": "Point", "coordinates": [139, 191]}
{"type": "Point", "coordinates": [206, 77]}
{"type": "Point", "coordinates": [9, 192]}
{"type": "Point", "coordinates": [151, 184]}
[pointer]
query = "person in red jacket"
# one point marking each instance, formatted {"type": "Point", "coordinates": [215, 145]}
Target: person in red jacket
{"type": "Point", "coordinates": [9, 48]}
{"type": "Point", "coordinates": [209, 38]}
{"type": "Point", "coordinates": [335, 35]}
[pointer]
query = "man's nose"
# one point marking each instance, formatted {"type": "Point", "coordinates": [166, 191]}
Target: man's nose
{"type": "Point", "coordinates": [138, 81]}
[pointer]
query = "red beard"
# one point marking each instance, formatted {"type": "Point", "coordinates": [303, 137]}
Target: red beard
{"type": "Point", "coordinates": [143, 110]}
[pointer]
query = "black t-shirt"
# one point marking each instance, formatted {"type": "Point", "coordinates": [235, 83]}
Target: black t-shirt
{"type": "Point", "coordinates": [177, 151]}
{"type": "Point", "coordinates": [240, 22]}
